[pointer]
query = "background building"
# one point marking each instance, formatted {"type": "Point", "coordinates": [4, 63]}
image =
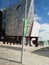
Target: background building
{"type": "Point", "coordinates": [15, 16]}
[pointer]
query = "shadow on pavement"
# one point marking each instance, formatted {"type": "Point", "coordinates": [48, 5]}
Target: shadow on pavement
{"type": "Point", "coordinates": [10, 60]}
{"type": "Point", "coordinates": [10, 47]}
{"type": "Point", "coordinates": [42, 51]}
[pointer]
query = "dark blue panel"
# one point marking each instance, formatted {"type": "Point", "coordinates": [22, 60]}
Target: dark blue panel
{"type": "Point", "coordinates": [3, 19]}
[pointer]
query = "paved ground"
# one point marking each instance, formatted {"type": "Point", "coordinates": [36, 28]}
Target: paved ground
{"type": "Point", "coordinates": [11, 55]}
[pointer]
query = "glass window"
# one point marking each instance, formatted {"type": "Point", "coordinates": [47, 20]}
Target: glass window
{"type": "Point", "coordinates": [3, 19]}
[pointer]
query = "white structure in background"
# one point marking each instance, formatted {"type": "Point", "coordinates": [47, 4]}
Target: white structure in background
{"type": "Point", "coordinates": [44, 34]}
{"type": "Point", "coordinates": [35, 29]}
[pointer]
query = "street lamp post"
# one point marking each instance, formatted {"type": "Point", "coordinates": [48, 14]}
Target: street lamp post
{"type": "Point", "coordinates": [24, 32]}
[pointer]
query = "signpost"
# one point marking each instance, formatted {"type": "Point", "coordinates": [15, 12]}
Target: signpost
{"type": "Point", "coordinates": [24, 32]}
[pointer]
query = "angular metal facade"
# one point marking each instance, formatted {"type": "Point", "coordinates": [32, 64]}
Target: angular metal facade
{"type": "Point", "coordinates": [15, 16]}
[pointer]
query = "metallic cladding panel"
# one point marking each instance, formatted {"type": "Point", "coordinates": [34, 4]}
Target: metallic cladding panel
{"type": "Point", "coordinates": [15, 16]}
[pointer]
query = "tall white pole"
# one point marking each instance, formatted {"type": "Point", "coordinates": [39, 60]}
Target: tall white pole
{"type": "Point", "coordinates": [26, 11]}
{"type": "Point", "coordinates": [23, 40]}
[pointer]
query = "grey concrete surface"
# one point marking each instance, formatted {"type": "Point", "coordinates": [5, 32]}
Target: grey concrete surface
{"type": "Point", "coordinates": [11, 55]}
